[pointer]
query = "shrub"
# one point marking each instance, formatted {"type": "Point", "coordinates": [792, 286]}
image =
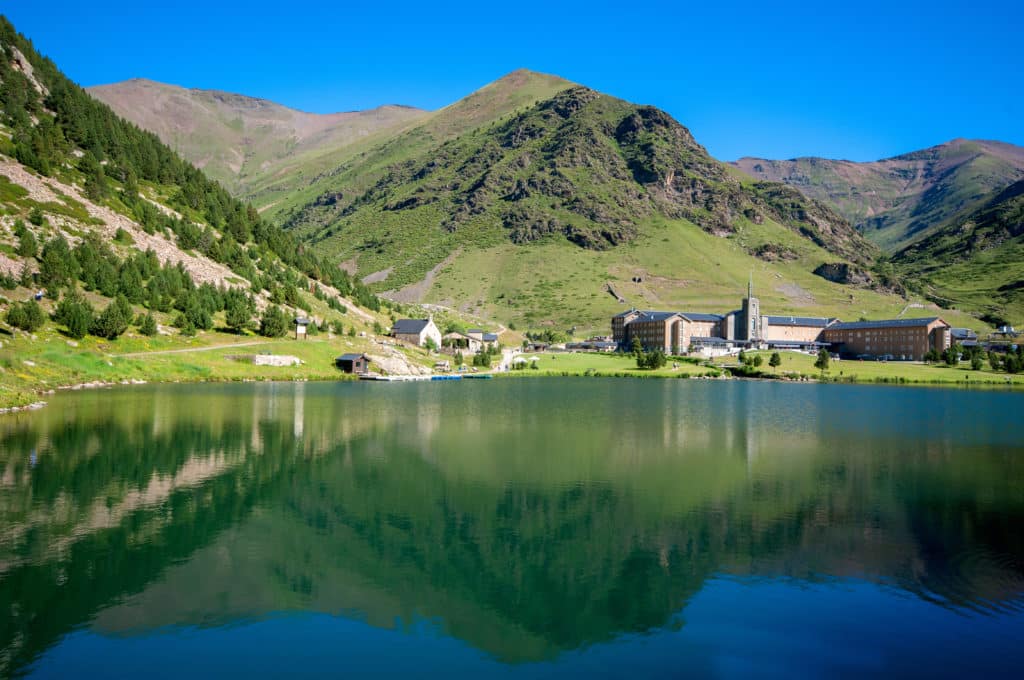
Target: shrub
{"type": "Point", "coordinates": [28, 316]}
{"type": "Point", "coordinates": [27, 244]}
{"type": "Point", "coordinates": [35, 216]}
{"type": "Point", "coordinates": [239, 310]}
{"type": "Point", "coordinates": [111, 323]}
{"type": "Point", "coordinates": [148, 325]}
{"type": "Point", "coordinates": [273, 323]}
{"type": "Point", "coordinates": [57, 266]}
{"type": "Point", "coordinates": [821, 363]}
{"type": "Point", "coordinates": [76, 314]}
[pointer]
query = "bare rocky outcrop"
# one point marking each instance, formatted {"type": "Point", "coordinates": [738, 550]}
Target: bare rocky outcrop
{"type": "Point", "coordinates": [845, 273]}
{"type": "Point", "coordinates": [392, 362]}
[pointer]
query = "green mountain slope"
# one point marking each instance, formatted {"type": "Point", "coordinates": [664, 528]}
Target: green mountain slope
{"type": "Point", "coordinates": [101, 214]}
{"type": "Point", "coordinates": [977, 261]}
{"type": "Point", "coordinates": [897, 201]}
{"type": "Point", "coordinates": [238, 140]}
{"type": "Point", "coordinates": [530, 217]}
{"type": "Point", "coordinates": [362, 164]}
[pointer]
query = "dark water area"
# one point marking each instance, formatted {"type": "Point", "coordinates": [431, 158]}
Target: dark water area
{"type": "Point", "coordinates": [531, 527]}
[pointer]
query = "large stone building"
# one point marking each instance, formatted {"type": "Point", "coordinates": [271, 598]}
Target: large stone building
{"type": "Point", "coordinates": [899, 339]}
{"type": "Point", "coordinates": [678, 332]}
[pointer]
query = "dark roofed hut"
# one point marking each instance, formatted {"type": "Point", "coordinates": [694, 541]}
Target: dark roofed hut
{"type": "Point", "coordinates": [353, 363]}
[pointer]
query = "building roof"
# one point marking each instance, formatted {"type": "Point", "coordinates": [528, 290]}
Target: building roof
{"type": "Point", "coordinates": [701, 316]}
{"type": "Point", "coordinates": [807, 321]}
{"type": "Point", "coordinates": [656, 316]}
{"type": "Point", "coordinates": [490, 337]}
{"type": "Point", "coordinates": [410, 326]}
{"type": "Point", "coordinates": [884, 323]}
{"type": "Point", "coordinates": [302, 321]}
{"type": "Point", "coordinates": [625, 313]}
{"type": "Point", "coordinates": [352, 357]}
{"type": "Point", "coordinates": [963, 333]}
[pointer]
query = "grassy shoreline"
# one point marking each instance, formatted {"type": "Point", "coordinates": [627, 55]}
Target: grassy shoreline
{"type": "Point", "coordinates": [796, 367]}
{"type": "Point", "coordinates": [30, 369]}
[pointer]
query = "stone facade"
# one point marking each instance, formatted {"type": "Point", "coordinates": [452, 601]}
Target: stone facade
{"type": "Point", "coordinates": [902, 339]}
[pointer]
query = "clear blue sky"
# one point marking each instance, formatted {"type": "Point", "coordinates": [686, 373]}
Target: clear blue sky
{"type": "Point", "coordinates": [857, 80]}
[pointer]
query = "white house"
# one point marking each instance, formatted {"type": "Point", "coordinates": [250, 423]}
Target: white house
{"type": "Point", "coordinates": [416, 331]}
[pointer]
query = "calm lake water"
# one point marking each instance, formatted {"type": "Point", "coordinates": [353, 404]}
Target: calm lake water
{"type": "Point", "coordinates": [531, 527]}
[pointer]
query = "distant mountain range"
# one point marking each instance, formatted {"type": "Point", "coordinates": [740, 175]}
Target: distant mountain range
{"type": "Point", "coordinates": [235, 138]}
{"type": "Point", "coordinates": [897, 201]}
{"type": "Point", "coordinates": [532, 197]}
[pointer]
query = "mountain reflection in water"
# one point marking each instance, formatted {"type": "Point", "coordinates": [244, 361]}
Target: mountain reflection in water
{"type": "Point", "coordinates": [527, 518]}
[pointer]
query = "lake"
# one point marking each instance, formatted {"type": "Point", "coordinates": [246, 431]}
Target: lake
{"type": "Point", "coordinates": [520, 527]}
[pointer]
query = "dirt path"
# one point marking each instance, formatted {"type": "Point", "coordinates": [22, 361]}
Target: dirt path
{"type": "Point", "coordinates": [192, 349]}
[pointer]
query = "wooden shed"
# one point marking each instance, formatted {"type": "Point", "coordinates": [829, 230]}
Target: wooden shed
{"type": "Point", "coordinates": [353, 363]}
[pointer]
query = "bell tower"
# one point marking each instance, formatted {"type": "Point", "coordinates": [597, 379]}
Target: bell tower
{"type": "Point", "coordinates": [752, 314]}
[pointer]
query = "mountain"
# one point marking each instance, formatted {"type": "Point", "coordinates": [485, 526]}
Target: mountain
{"type": "Point", "coordinates": [94, 209]}
{"type": "Point", "coordinates": [267, 153]}
{"type": "Point", "coordinates": [899, 200]}
{"type": "Point", "coordinates": [283, 195]}
{"type": "Point", "coordinates": [537, 201]}
{"type": "Point", "coordinates": [236, 139]}
{"type": "Point", "coordinates": [976, 262]}
{"type": "Point", "coordinates": [537, 214]}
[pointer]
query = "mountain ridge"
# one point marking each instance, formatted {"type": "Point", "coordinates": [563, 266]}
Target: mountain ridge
{"type": "Point", "coordinates": [233, 136]}
{"type": "Point", "coordinates": [898, 200]}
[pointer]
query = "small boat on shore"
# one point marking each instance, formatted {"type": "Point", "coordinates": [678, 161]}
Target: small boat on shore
{"type": "Point", "coordinates": [446, 377]}
{"type": "Point", "coordinates": [478, 376]}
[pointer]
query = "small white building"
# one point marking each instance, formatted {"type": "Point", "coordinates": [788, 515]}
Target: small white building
{"type": "Point", "coordinates": [416, 331]}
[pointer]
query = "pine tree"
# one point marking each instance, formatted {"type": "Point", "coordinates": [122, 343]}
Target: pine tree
{"type": "Point", "coordinates": [821, 363]}
{"type": "Point", "coordinates": [148, 325]}
{"type": "Point", "coordinates": [27, 244]}
{"type": "Point", "coordinates": [58, 266]}
{"type": "Point", "coordinates": [273, 323]}
{"type": "Point", "coordinates": [75, 313]}
{"type": "Point", "coordinates": [111, 323]}
{"type": "Point", "coordinates": [238, 311]}
{"type": "Point", "coordinates": [96, 188]}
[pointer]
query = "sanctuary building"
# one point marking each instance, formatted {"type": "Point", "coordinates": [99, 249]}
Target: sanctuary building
{"type": "Point", "coordinates": [682, 332]}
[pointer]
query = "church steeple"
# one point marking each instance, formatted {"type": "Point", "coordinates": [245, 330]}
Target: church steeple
{"type": "Point", "coordinates": [752, 313]}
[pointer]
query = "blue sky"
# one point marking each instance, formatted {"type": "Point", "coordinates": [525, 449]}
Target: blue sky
{"type": "Point", "coordinates": [857, 80]}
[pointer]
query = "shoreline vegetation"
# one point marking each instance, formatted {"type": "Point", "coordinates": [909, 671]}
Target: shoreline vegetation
{"type": "Point", "coordinates": [794, 367]}
{"type": "Point", "coordinates": [33, 369]}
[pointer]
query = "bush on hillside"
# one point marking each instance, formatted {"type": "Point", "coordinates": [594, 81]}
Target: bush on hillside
{"type": "Point", "coordinates": [27, 316]}
{"type": "Point", "coordinates": [273, 323]}
{"type": "Point", "coordinates": [75, 314]}
{"type": "Point", "coordinates": [112, 322]}
{"type": "Point", "coordinates": [148, 325]}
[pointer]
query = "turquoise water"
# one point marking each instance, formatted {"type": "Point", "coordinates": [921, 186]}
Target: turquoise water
{"type": "Point", "coordinates": [514, 527]}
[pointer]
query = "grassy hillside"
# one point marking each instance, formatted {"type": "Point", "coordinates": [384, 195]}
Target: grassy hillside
{"type": "Point", "coordinates": [529, 218]}
{"type": "Point", "coordinates": [132, 246]}
{"type": "Point", "coordinates": [897, 201]}
{"type": "Point", "coordinates": [239, 140]}
{"type": "Point", "coordinates": [975, 263]}
{"type": "Point", "coordinates": [329, 176]}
